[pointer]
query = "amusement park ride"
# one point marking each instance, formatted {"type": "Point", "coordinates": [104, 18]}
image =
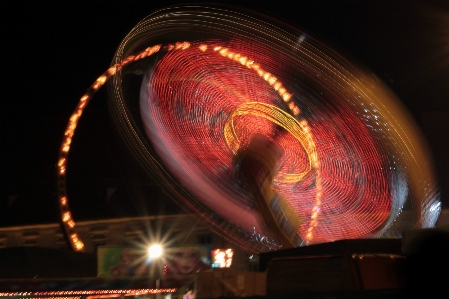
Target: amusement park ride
{"type": "Point", "coordinates": [269, 135]}
{"type": "Point", "coordinates": [274, 139]}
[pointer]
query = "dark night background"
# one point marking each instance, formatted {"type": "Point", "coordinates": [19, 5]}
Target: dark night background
{"type": "Point", "coordinates": [52, 51]}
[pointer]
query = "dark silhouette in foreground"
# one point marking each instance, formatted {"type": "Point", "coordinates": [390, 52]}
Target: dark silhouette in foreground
{"type": "Point", "coordinates": [427, 267]}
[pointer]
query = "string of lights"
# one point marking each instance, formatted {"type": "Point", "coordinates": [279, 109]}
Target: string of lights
{"type": "Point", "coordinates": [72, 293]}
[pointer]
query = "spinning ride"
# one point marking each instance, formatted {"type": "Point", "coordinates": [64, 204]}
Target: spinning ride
{"type": "Point", "coordinates": [273, 138]}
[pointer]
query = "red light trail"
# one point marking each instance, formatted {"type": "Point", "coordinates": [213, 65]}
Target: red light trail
{"type": "Point", "coordinates": [350, 159]}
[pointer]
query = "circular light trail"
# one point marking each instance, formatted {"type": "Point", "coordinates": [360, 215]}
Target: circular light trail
{"type": "Point", "coordinates": [280, 118]}
{"type": "Point", "coordinates": [351, 161]}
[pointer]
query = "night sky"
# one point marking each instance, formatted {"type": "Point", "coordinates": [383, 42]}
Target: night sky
{"type": "Point", "coordinates": [53, 50]}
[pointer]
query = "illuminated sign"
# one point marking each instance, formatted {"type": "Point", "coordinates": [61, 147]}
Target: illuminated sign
{"type": "Point", "coordinates": [122, 261]}
{"type": "Point", "coordinates": [222, 258]}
